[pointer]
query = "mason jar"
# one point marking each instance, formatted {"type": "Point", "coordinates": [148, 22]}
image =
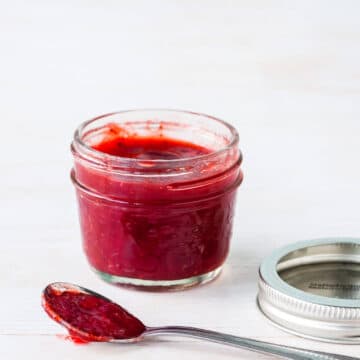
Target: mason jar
{"type": "Point", "coordinates": [156, 194]}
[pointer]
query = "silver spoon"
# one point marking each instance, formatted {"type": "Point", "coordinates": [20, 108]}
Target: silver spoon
{"type": "Point", "coordinates": [67, 320]}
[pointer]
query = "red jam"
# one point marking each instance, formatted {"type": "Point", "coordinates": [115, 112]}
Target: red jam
{"type": "Point", "coordinates": [90, 318]}
{"type": "Point", "coordinates": [146, 147]}
{"type": "Point", "coordinates": [158, 208]}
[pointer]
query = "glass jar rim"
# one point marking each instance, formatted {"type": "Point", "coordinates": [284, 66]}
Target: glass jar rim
{"type": "Point", "coordinates": [116, 159]}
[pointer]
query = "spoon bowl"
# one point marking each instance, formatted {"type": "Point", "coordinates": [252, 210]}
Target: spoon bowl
{"type": "Point", "coordinates": [89, 316]}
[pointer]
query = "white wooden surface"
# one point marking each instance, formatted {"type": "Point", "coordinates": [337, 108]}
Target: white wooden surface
{"type": "Point", "coordinates": [285, 73]}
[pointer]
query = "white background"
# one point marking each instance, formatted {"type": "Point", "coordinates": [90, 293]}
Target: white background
{"type": "Point", "coordinates": [285, 73]}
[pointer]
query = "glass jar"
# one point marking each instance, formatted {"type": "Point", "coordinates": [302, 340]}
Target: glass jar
{"type": "Point", "coordinates": [157, 223]}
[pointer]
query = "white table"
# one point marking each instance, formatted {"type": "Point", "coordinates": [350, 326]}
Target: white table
{"type": "Point", "coordinates": [286, 74]}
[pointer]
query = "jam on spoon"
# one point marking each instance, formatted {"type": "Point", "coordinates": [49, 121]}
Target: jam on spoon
{"type": "Point", "coordinates": [89, 316]}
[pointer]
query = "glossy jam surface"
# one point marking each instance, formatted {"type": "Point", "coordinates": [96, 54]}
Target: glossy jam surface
{"type": "Point", "coordinates": [90, 318]}
{"type": "Point", "coordinates": [144, 147]}
{"type": "Point", "coordinates": [155, 227]}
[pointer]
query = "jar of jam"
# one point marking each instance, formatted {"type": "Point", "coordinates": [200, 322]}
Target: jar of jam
{"type": "Point", "coordinates": [156, 192]}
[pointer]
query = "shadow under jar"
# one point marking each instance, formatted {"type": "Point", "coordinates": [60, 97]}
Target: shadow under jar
{"type": "Point", "coordinates": [156, 192]}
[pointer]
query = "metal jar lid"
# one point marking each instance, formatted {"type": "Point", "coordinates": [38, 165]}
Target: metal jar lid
{"type": "Point", "coordinates": [312, 289]}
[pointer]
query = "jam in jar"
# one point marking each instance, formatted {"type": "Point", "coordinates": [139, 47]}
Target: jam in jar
{"type": "Point", "coordinates": [156, 192]}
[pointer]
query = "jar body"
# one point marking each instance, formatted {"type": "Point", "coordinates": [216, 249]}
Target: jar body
{"type": "Point", "coordinates": [156, 224]}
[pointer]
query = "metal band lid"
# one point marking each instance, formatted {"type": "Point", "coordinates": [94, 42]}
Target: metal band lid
{"type": "Point", "coordinates": [312, 289]}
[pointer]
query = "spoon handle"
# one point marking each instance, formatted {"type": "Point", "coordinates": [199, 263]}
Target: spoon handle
{"type": "Point", "coordinates": [285, 352]}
